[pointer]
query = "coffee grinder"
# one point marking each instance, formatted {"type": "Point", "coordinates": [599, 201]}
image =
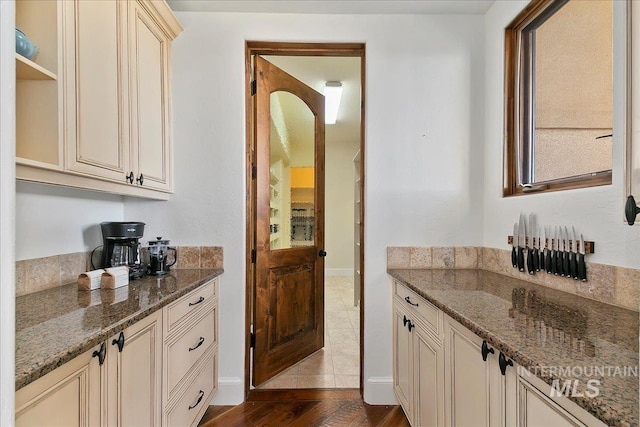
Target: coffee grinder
{"type": "Point", "coordinates": [122, 246]}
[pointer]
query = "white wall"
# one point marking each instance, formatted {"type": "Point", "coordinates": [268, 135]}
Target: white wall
{"type": "Point", "coordinates": [339, 209]}
{"type": "Point", "coordinates": [52, 220]}
{"type": "Point", "coordinates": [423, 160]}
{"type": "Point", "coordinates": [596, 212]}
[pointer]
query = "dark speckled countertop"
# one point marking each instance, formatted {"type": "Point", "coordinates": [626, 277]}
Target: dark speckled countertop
{"type": "Point", "coordinates": [56, 325]}
{"type": "Point", "coordinates": [541, 328]}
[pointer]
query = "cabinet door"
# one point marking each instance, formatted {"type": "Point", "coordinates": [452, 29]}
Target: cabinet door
{"type": "Point", "coordinates": [429, 388]}
{"type": "Point", "coordinates": [134, 375]}
{"type": "Point", "coordinates": [96, 130]}
{"type": "Point", "coordinates": [537, 410]}
{"type": "Point", "coordinates": [467, 378]}
{"type": "Point", "coordinates": [403, 362]}
{"type": "Point", "coordinates": [68, 396]}
{"type": "Point", "coordinates": [150, 103]}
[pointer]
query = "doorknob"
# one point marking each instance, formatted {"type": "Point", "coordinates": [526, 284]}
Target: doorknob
{"type": "Point", "coordinates": [322, 253]}
{"type": "Point", "coordinates": [631, 210]}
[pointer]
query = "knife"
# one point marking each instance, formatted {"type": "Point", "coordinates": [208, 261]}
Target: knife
{"type": "Point", "coordinates": [514, 245]}
{"type": "Point", "coordinates": [549, 261]}
{"type": "Point", "coordinates": [529, 231]}
{"type": "Point", "coordinates": [573, 262]}
{"type": "Point", "coordinates": [542, 242]}
{"type": "Point", "coordinates": [565, 253]}
{"type": "Point", "coordinates": [521, 239]}
{"type": "Point", "coordinates": [535, 241]}
{"type": "Point", "coordinates": [582, 267]}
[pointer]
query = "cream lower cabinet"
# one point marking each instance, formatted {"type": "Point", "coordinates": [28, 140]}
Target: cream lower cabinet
{"type": "Point", "coordinates": [441, 378]}
{"type": "Point", "coordinates": [477, 393]}
{"type": "Point", "coordinates": [162, 370]}
{"type": "Point", "coordinates": [67, 397]}
{"type": "Point", "coordinates": [418, 359]}
{"type": "Point", "coordinates": [190, 368]}
{"type": "Point", "coordinates": [104, 386]}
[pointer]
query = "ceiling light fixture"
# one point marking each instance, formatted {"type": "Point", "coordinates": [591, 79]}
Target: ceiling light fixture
{"type": "Point", "coordinates": [332, 95]}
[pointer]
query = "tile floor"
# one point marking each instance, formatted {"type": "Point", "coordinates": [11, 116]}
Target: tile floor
{"type": "Point", "coordinates": [337, 365]}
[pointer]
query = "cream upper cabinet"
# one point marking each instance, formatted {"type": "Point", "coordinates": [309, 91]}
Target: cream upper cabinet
{"type": "Point", "coordinates": [96, 89]}
{"type": "Point", "coordinates": [150, 87]}
{"type": "Point", "coordinates": [96, 112]}
{"type": "Point", "coordinates": [68, 396]}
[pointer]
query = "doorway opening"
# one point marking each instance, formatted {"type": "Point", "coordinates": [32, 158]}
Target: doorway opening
{"type": "Point", "coordinates": [343, 284]}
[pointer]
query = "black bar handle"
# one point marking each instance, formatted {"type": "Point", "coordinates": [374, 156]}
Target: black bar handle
{"type": "Point", "coordinates": [101, 354]}
{"type": "Point", "coordinates": [504, 362]}
{"type": "Point", "coordinates": [486, 350]}
{"type": "Point", "coordinates": [197, 345]}
{"type": "Point", "coordinates": [197, 302]}
{"type": "Point", "coordinates": [119, 342]}
{"type": "Point", "coordinates": [201, 395]}
{"type": "Point", "coordinates": [408, 299]}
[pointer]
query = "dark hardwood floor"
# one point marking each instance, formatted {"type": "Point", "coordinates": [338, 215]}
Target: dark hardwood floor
{"type": "Point", "coordinates": [305, 408]}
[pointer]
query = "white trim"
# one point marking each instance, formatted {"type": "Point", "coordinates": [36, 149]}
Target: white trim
{"type": "Point", "coordinates": [338, 272]}
{"type": "Point", "coordinates": [230, 391]}
{"type": "Point", "coordinates": [7, 211]}
{"type": "Point", "coordinates": [379, 391]}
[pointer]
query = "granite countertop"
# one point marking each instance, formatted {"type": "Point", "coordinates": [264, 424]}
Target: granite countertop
{"type": "Point", "coordinates": [541, 329]}
{"type": "Point", "coordinates": [56, 325]}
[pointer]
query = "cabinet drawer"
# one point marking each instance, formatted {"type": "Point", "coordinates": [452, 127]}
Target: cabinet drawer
{"type": "Point", "coordinates": [429, 314]}
{"type": "Point", "coordinates": [192, 404]}
{"type": "Point", "coordinates": [188, 304]}
{"type": "Point", "coordinates": [183, 352]}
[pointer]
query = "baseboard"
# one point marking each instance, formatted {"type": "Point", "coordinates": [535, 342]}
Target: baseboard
{"type": "Point", "coordinates": [230, 391]}
{"type": "Point", "coordinates": [379, 391]}
{"type": "Point", "coordinates": [338, 271]}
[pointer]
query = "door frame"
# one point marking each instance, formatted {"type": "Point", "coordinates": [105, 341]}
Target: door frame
{"type": "Point", "coordinates": [294, 49]}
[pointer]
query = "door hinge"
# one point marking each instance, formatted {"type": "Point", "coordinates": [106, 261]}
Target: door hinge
{"type": "Point", "coordinates": [253, 256]}
{"type": "Point", "coordinates": [254, 171]}
{"type": "Point", "coordinates": [252, 340]}
{"type": "Point", "coordinates": [254, 87]}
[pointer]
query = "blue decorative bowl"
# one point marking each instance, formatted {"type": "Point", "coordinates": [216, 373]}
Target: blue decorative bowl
{"type": "Point", "coordinates": [24, 46]}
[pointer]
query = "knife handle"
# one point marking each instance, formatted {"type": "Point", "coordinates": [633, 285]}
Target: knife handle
{"type": "Point", "coordinates": [582, 268]}
{"type": "Point", "coordinates": [549, 261]}
{"type": "Point", "coordinates": [536, 260]}
{"type": "Point", "coordinates": [541, 260]}
{"type": "Point", "coordinates": [530, 267]}
{"type": "Point", "coordinates": [514, 257]}
{"type": "Point", "coordinates": [565, 266]}
{"type": "Point", "coordinates": [520, 258]}
{"type": "Point", "coordinates": [573, 262]}
{"type": "Point", "coordinates": [557, 263]}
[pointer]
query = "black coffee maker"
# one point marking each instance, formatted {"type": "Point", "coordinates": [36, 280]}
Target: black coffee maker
{"type": "Point", "coordinates": [122, 246]}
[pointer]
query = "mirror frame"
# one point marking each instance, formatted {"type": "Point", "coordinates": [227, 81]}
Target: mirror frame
{"type": "Point", "coordinates": [513, 113]}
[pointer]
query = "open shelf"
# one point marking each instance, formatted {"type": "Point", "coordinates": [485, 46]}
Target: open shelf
{"type": "Point", "coordinates": [29, 70]}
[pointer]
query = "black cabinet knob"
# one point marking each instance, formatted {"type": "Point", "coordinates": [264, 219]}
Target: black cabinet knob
{"type": "Point", "coordinates": [504, 362]}
{"type": "Point", "coordinates": [119, 342]}
{"type": "Point", "coordinates": [100, 354]}
{"type": "Point", "coordinates": [486, 350]}
{"type": "Point", "coordinates": [129, 177]}
{"type": "Point", "coordinates": [140, 179]}
{"type": "Point", "coordinates": [322, 253]}
{"type": "Point", "coordinates": [631, 210]}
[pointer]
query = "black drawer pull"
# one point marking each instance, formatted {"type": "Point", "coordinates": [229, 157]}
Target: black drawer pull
{"type": "Point", "coordinates": [197, 345]}
{"type": "Point", "coordinates": [407, 299]}
{"type": "Point", "coordinates": [197, 302]}
{"type": "Point", "coordinates": [486, 350]}
{"type": "Point", "coordinates": [201, 395]}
